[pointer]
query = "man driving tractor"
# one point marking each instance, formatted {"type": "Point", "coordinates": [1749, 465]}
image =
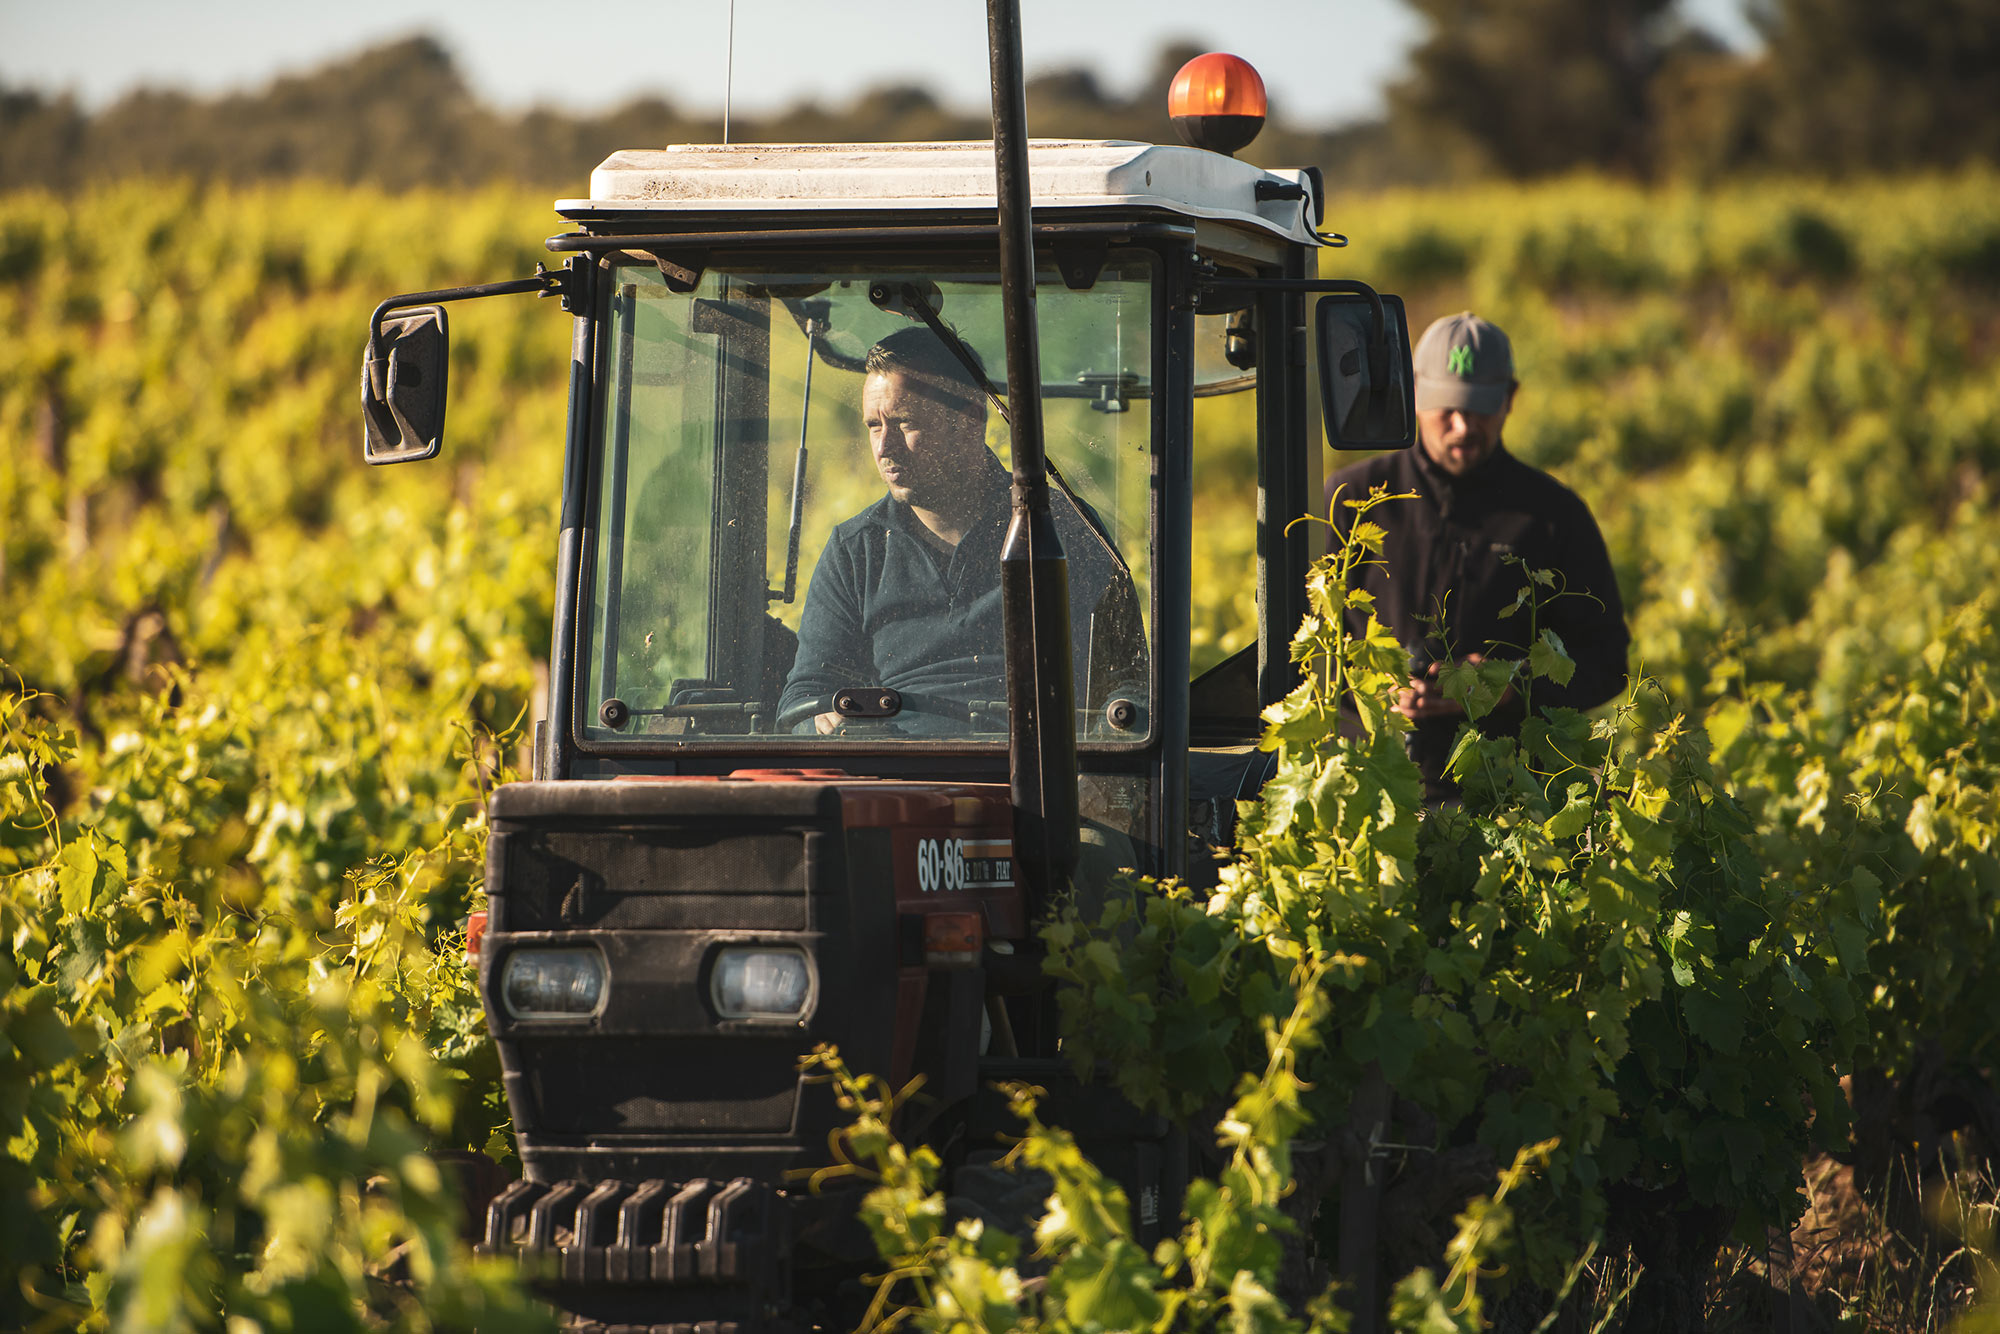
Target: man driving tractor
{"type": "Point", "coordinates": [907, 592]}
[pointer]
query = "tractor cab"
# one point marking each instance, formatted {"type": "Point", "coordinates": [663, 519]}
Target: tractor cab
{"type": "Point", "coordinates": [721, 484]}
{"type": "Point", "coordinates": [777, 797]}
{"type": "Point", "coordinates": [740, 504]}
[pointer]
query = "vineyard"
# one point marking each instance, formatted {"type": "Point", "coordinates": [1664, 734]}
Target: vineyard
{"type": "Point", "coordinates": [1670, 966]}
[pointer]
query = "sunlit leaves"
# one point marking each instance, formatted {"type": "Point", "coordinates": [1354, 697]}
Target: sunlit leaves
{"type": "Point", "coordinates": [220, 1079]}
{"type": "Point", "coordinates": [1667, 946]}
{"type": "Point", "coordinates": [1478, 687]}
{"type": "Point", "coordinates": [1589, 957]}
{"type": "Point", "coordinates": [1548, 657]}
{"type": "Point", "coordinates": [1218, 1270]}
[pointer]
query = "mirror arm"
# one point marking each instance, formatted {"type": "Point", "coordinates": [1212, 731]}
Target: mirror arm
{"type": "Point", "coordinates": [544, 283]}
{"type": "Point", "coordinates": [1378, 344]}
{"type": "Point", "coordinates": [1301, 285]}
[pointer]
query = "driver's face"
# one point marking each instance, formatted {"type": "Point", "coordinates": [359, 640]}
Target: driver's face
{"type": "Point", "coordinates": [926, 451]}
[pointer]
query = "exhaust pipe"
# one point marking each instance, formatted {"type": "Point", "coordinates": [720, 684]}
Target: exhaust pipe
{"type": "Point", "coordinates": [1034, 575]}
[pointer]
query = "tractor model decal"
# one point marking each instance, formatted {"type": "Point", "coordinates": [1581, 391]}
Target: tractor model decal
{"type": "Point", "coordinates": [947, 865]}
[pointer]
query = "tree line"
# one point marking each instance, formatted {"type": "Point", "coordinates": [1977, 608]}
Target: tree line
{"type": "Point", "coordinates": [1527, 88]}
{"type": "Point", "coordinates": [402, 115]}
{"type": "Point", "coordinates": [1495, 88]}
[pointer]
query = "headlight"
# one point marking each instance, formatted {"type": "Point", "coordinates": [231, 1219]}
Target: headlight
{"type": "Point", "coordinates": [543, 984]}
{"type": "Point", "coordinates": [760, 982]}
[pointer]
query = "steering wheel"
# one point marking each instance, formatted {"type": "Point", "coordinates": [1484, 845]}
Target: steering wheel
{"type": "Point", "coordinates": [927, 706]}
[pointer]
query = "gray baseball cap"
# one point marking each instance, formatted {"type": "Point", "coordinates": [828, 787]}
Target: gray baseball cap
{"type": "Point", "coordinates": [1465, 363]}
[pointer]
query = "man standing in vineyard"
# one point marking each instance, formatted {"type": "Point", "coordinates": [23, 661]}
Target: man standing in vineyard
{"type": "Point", "coordinates": [1458, 554]}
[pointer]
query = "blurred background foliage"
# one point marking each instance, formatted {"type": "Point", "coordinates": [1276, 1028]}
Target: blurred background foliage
{"type": "Point", "coordinates": [260, 691]}
{"type": "Point", "coordinates": [1495, 88]}
{"type": "Point", "coordinates": [253, 699]}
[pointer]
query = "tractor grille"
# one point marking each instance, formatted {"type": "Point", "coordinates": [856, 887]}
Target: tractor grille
{"type": "Point", "coordinates": [691, 1086]}
{"type": "Point", "coordinates": [655, 879]}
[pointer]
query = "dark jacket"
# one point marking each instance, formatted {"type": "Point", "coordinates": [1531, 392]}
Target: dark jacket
{"type": "Point", "coordinates": [1445, 553]}
{"type": "Point", "coordinates": [886, 606]}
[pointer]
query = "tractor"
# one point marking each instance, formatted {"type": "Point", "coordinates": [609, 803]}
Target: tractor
{"type": "Point", "coordinates": [726, 855]}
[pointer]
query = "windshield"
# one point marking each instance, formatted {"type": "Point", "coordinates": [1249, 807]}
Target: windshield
{"type": "Point", "coordinates": [805, 487]}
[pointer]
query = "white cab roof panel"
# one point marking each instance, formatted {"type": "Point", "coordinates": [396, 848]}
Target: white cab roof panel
{"type": "Point", "coordinates": [1063, 173]}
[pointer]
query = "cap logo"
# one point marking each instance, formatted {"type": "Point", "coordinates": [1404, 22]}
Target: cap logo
{"type": "Point", "coordinates": [1459, 362]}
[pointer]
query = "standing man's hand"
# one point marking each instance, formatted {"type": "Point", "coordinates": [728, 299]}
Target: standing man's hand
{"type": "Point", "coordinates": [1423, 697]}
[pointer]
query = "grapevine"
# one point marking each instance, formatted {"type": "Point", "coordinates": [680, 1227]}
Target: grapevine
{"type": "Point", "coordinates": [254, 698]}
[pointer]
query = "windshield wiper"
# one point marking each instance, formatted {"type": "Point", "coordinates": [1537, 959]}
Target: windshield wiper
{"type": "Point", "coordinates": [908, 298]}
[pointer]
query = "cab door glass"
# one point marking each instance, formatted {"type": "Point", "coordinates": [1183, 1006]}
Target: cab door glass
{"type": "Point", "coordinates": [753, 560]}
{"type": "Point", "coordinates": [656, 501]}
{"type": "Point", "coordinates": [1222, 612]}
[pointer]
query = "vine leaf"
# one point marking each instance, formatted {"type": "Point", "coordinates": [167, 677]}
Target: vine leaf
{"type": "Point", "coordinates": [1547, 657]}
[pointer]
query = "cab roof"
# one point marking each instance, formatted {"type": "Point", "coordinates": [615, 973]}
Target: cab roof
{"type": "Point", "coordinates": [1062, 174]}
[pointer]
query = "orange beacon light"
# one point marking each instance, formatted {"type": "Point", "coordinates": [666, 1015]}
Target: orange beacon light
{"type": "Point", "coordinates": [1217, 102]}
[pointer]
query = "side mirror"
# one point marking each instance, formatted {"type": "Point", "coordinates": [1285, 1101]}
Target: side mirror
{"type": "Point", "coordinates": [403, 386]}
{"type": "Point", "coordinates": [1366, 388]}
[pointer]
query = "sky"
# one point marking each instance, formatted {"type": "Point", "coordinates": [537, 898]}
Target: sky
{"type": "Point", "coordinates": [1323, 61]}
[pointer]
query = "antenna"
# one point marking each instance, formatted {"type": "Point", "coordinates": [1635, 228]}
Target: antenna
{"type": "Point", "coordinates": [728, 70]}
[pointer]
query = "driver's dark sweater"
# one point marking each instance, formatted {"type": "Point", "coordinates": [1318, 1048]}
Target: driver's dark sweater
{"type": "Point", "coordinates": [888, 606]}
